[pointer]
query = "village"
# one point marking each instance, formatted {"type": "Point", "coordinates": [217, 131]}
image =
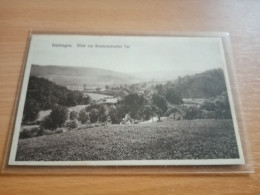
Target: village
{"type": "Point", "coordinates": [86, 106]}
{"type": "Point", "coordinates": [99, 96]}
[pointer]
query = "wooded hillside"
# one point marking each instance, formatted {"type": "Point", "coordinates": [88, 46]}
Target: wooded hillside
{"type": "Point", "coordinates": [203, 85]}
{"type": "Point", "coordinates": [43, 94]}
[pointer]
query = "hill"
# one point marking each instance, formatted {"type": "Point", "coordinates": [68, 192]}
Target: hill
{"type": "Point", "coordinates": [43, 94]}
{"type": "Point", "coordinates": [198, 139]}
{"type": "Point", "coordinates": [207, 84]}
{"type": "Point", "coordinates": [78, 76]}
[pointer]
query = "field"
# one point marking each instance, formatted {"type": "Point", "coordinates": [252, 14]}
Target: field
{"type": "Point", "coordinates": [194, 139]}
{"type": "Point", "coordinates": [95, 96]}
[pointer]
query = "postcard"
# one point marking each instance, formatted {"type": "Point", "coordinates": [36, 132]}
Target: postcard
{"type": "Point", "coordinates": [121, 100]}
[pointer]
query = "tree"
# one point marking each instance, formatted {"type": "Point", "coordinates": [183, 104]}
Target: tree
{"type": "Point", "coordinates": [222, 106]}
{"type": "Point", "coordinates": [83, 116]}
{"type": "Point", "coordinates": [93, 115]}
{"type": "Point", "coordinates": [159, 102]}
{"type": "Point", "coordinates": [219, 105]}
{"type": "Point", "coordinates": [57, 117]}
{"type": "Point", "coordinates": [73, 115]}
{"type": "Point", "coordinates": [59, 114]}
{"type": "Point", "coordinates": [134, 104]}
{"type": "Point", "coordinates": [72, 124]}
{"type": "Point", "coordinates": [173, 96]}
{"type": "Point", "coordinates": [159, 88]}
{"type": "Point", "coordinates": [116, 114]}
{"type": "Point", "coordinates": [133, 88]}
{"type": "Point", "coordinates": [102, 114]}
{"type": "Point", "coordinates": [47, 94]}
{"type": "Point", "coordinates": [85, 100]}
{"type": "Point", "coordinates": [72, 99]}
{"type": "Point", "coordinates": [157, 111]}
{"type": "Point", "coordinates": [47, 123]}
{"type": "Point", "coordinates": [31, 110]}
{"type": "Point", "coordinates": [147, 112]}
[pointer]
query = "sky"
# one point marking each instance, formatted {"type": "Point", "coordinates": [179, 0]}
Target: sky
{"type": "Point", "coordinates": [129, 54]}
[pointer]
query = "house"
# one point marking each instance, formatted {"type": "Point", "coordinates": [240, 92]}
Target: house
{"type": "Point", "coordinates": [107, 100]}
{"type": "Point", "coordinates": [175, 112]}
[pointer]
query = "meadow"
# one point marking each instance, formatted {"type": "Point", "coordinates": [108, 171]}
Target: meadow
{"type": "Point", "coordinates": [187, 139]}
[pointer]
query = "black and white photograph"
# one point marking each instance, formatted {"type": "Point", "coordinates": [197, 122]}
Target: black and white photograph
{"type": "Point", "coordinates": [103, 100]}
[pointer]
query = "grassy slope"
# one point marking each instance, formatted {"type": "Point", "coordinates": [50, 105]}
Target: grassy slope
{"type": "Point", "coordinates": [198, 139]}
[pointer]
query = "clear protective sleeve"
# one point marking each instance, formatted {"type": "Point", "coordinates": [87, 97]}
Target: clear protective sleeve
{"type": "Point", "coordinates": [243, 165]}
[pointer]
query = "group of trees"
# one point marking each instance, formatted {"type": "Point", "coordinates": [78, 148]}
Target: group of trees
{"type": "Point", "coordinates": [57, 117]}
{"type": "Point", "coordinates": [141, 101]}
{"type": "Point", "coordinates": [93, 113]}
{"type": "Point", "coordinates": [217, 108]}
{"type": "Point", "coordinates": [219, 105]}
{"type": "Point", "coordinates": [138, 107]}
{"type": "Point", "coordinates": [169, 93]}
{"type": "Point", "coordinates": [43, 94]}
{"type": "Point", "coordinates": [207, 84]}
{"type": "Point", "coordinates": [61, 117]}
{"type": "Point", "coordinates": [133, 104]}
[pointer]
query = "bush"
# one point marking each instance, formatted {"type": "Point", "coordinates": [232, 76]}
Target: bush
{"type": "Point", "coordinates": [56, 131]}
{"type": "Point", "coordinates": [93, 115]}
{"type": "Point", "coordinates": [73, 124]}
{"type": "Point", "coordinates": [73, 115]}
{"type": "Point", "coordinates": [47, 123]}
{"type": "Point", "coordinates": [83, 116]}
{"type": "Point", "coordinates": [31, 132]}
{"type": "Point", "coordinates": [60, 130]}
